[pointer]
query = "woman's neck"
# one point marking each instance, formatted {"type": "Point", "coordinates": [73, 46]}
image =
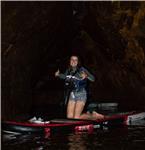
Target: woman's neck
{"type": "Point", "coordinates": [74, 68]}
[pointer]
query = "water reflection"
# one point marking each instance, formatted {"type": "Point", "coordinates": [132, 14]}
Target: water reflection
{"type": "Point", "coordinates": [124, 138]}
{"type": "Point", "coordinates": [77, 141]}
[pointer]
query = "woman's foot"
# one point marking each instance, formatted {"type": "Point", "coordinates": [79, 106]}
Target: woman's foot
{"type": "Point", "coordinates": [97, 115]}
{"type": "Point", "coordinates": [92, 116]}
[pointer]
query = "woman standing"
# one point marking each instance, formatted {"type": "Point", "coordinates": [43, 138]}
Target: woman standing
{"type": "Point", "coordinates": [76, 78]}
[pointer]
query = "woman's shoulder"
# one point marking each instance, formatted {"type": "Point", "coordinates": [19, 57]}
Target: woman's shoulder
{"type": "Point", "coordinates": [82, 68]}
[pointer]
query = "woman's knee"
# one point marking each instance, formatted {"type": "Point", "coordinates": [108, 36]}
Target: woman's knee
{"type": "Point", "coordinates": [70, 109]}
{"type": "Point", "coordinates": [70, 116]}
{"type": "Point", "coordinates": [77, 117]}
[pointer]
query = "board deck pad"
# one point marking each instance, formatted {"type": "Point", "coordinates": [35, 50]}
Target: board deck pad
{"type": "Point", "coordinates": [65, 121]}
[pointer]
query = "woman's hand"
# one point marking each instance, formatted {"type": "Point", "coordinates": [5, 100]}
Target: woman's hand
{"type": "Point", "coordinates": [83, 75]}
{"type": "Point", "coordinates": [57, 73]}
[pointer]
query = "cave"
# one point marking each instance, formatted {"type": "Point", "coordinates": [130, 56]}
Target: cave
{"type": "Point", "coordinates": [38, 37]}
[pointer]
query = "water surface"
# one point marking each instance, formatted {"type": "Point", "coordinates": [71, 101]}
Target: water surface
{"type": "Point", "coordinates": [122, 138]}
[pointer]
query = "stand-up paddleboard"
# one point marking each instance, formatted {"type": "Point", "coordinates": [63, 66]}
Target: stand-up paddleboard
{"type": "Point", "coordinates": [71, 124]}
{"type": "Point", "coordinates": [131, 119]}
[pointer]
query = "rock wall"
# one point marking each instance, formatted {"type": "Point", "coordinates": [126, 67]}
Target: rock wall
{"type": "Point", "coordinates": [112, 37]}
{"type": "Point", "coordinates": [38, 38]}
{"type": "Point", "coordinates": [34, 34]}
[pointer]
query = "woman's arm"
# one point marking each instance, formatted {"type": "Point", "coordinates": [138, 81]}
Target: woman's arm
{"type": "Point", "coordinates": [61, 75]}
{"type": "Point", "coordinates": [89, 75]}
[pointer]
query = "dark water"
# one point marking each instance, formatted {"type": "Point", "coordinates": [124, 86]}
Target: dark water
{"type": "Point", "coordinates": [122, 138]}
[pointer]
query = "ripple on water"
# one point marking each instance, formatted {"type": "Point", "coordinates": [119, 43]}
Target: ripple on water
{"type": "Point", "coordinates": [125, 138]}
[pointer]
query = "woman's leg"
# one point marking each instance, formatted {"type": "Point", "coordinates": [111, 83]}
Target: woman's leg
{"type": "Point", "coordinates": [92, 116]}
{"type": "Point", "coordinates": [97, 115]}
{"type": "Point", "coordinates": [70, 109]}
{"type": "Point", "coordinates": [78, 108]}
{"type": "Point", "coordinates": [87, 116]}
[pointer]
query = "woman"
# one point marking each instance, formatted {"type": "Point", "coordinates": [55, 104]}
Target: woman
{"type": "Point", "coordinates": [76, 81]}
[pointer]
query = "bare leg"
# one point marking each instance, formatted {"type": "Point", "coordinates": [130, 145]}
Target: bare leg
{"type": "Point", "coordinates": [97, 115]}
{"type": "Point", "coordinates": [78, 109]}
{"type": "Point", "coordinates": [87, 116]}
{"type": "Point", "coordinates": [70, 109]}
{"type": "Point", "coordinates": [92, 116]}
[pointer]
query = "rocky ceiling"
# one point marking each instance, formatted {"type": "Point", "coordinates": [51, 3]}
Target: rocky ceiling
{"type": "Point", "coordinates": [39, 37]}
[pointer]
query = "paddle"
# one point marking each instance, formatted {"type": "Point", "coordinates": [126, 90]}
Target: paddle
{"type": "Point", "coordinates": [64, 102]}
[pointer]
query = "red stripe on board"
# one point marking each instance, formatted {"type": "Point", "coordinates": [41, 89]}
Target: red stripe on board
{"type": "Point", "coordinates": [78, 122]}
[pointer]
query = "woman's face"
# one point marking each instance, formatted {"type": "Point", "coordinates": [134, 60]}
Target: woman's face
{"type": "Point", "coordinates": [73, 61]}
